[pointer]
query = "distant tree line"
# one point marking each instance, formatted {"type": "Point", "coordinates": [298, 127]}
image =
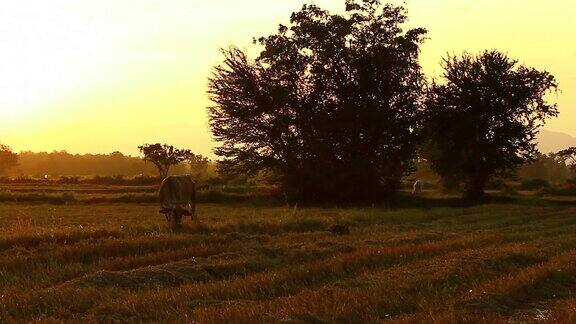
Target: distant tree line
{"type": "Point", "coordinates": [62, 163]}
{"type": "Point", "coordinates": [156, 161]}
{"type": "Point", "coordinates": [98, 167]}
{"type": "Point", "coordinates": [551, 168]}
{"type": "Point", "coordinates": [338, 108]}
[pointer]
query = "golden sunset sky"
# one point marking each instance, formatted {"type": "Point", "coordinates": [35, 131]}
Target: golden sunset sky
{"type": "Point", "coordinates": [108, 75]}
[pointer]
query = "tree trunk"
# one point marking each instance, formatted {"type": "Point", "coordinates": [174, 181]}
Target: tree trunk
{"type": "Point", "coordinates": [450, 184]}
{"type": "Point", "coordinates": [475, 187]}
{"type": "Point", "coordinates": [164, 173]}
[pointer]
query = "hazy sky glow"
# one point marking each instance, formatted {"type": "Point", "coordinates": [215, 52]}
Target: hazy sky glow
{"type": "Point", "coordinates": [105, 75]}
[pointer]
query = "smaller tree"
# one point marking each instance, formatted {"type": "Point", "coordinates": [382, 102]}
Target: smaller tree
{"type": "Point", "coordinates": [483, 119]}
{"type": "Point", "coordinates": [8, 159]}
{"type": "Point", "coordinates": [568, 156]}
{"type": "Point", "coordinates": [164, 156]}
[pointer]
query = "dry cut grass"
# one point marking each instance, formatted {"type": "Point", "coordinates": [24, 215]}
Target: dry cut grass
{"type": "Point", "coordinates": [500, 262]}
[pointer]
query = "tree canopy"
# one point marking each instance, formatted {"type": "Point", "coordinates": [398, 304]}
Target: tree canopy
{"type": "Point", "coordinates": [330, 104]}
{"type": "Point", "coordinates": [483, 118]}
{"type": "Point", "coordinates": [164, 156]}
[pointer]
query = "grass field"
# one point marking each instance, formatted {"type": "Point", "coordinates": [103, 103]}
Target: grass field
{"type": "Point", "coordinates": [509, 261]}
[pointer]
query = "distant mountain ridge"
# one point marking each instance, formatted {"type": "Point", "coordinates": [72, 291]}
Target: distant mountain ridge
{"type": "Point", "coordinates": [551, 142]}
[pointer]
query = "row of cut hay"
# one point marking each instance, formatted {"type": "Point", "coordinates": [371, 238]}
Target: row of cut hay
{"type": "Point", "coordinates": [550, 232]}
{"type": "Point", "coordinates": [553, 279]}
{"type": "Point", "coordinates": [407, 288]}
{"type": "Point", "coordinates": [39, 274]}
{"type": "Point", "coordinates": [523, 297]}
{"type": "Point", "coordinates": [278, 283]}
{"type": "Point", "coordinates": [468, 307]}
{"type": "Point", "coordinates": [508, 220]}
{"type": "Point", "coordinates": [51, 263]}
{"type": "Point", "coordinates": [377, 295]}
{"type": "Point", "coordinates": [223, 289]}
{"type": "Point", "coordinates": [406, 249]}
{"type": "Point", "coordinates": [97, 244]}
{"type": "Point", "coordinates": [251, 259]}
{"type": "Point", "coordinates": [57, 300]}
{"type": "Point", "coordinates": [266, 286]}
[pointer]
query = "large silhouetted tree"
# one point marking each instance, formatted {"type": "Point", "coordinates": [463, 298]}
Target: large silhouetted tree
{"type": "Point", "coordinates": [8, 159]}
{"type": "Point", "coordinates": [482, 119]}
{"type": "Point", "coordinates": [329, 104]}
{"type": "Point", "coordinates": [164, 156]}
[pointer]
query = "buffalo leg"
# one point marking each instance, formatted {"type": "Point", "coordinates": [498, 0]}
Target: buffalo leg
{"type": "Point", "coordinates": [177, 219]}
{"type": "Point", "coordinates": [171, 219]}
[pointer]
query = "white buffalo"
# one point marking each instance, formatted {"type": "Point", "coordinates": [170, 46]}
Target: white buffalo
{"type": "Point", "coordinates": [417, 188]}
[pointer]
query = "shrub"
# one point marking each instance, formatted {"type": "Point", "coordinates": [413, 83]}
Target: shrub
{"type": "Point", "coordinates": [68, 180]}
{"type": "Point", "coordinates": [534, 184]}
{"type": "Point", "coordinates": [508, 190]}
{"type": "Point", "coordinates": [567, 189]}
{"type": "Point", "coordinates": [495, 184]}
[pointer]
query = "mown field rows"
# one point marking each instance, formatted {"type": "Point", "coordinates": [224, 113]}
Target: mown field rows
{"type": "Point", "coordinates": [511, 261]}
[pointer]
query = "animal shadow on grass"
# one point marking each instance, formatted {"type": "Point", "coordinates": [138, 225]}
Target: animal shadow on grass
{"type": "Point", "coordinates": [195, 227]}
